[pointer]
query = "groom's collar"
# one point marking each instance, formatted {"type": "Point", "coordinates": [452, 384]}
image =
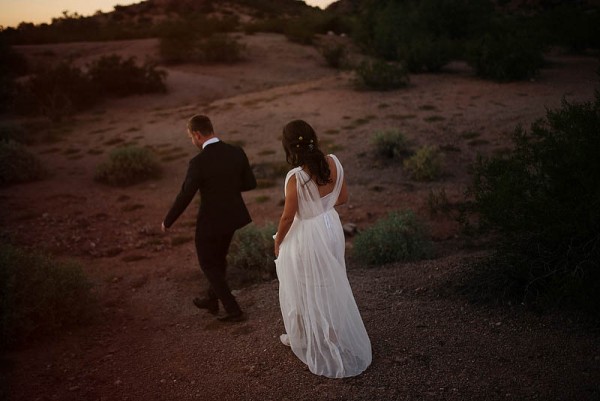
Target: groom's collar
{"type": "Point", "coordinates": [209, 142]}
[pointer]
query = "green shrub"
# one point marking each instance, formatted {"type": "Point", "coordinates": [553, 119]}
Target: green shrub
{"type": "Point", "coordinates": [18, 165]}
{"type": "Point", "coordinates": [400, 30]}
{"type": "Point", "coordinates": [115, 76]}
{"type": "Point", "coordinates": [398, 237]}
{"type": "Point", "coordinates": [12, 65]}
{"type": "Point", "coordinates": [251, 252]}
{"type": "Point", "coordinates": [40, 295]}
{"type": "Point", "coordinates": [423, 53]}
{"type": "Point", "coordinates": [507, 53]}
{"type": "Point", "coordinates": [274, 25]}
{"type": "Point", "coordinates": [298, 31]}
{"type": "Point", "coordinates": [303, 28]}
{"type": "Point", "coordinates": [8, 91]}
{"type": "Point", "coordinates": [381, 75]}
{"type": "Point", "coordinates": [13, 132]}
{"type": "Point", "coordinates": [11, 62]}
{"type": "Point", "coordinates": [570, 26]}
{"type": "Point", "coordinates": [219, 49]}
{"type": "Point", "coordinates": [176, 43]}
{"type": "Point", "coordinates": [56, 91]}
{"type": "Point", "coordinates": [128, 165]}
{"type": "Point", "coordinates": [390, 144]}
{"type": "Point", "coordinates": [199, 39]}
{"type": "Point", "coordinates": [425, 164]}
{"type": "Point", "coordinates": [334, 55]}
{"type": "Point", "coordinates": [438, 203]}
{"type": "Point", "coordinates": [543, 200]}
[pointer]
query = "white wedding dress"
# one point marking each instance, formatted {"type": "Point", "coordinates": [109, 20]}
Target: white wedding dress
{"type": "Point", "coordinates": [322, 321]}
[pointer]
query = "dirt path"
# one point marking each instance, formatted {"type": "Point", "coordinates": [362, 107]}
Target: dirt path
{"type": "Point", "coordinates": [151, 343]}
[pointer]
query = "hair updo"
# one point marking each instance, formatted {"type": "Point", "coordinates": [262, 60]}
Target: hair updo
{"type": "Point", "coordinates": [302, 149]}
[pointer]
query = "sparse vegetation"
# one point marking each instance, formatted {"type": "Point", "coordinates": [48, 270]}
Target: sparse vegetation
{"type": "Point", "coordinates": [274, 25]}
{"type": "Point", "coordinates": [433, 119]}
{"type": "Point", "coordinates": [262, 183]}
{"type": "Point", "coordinates": [303, 27]}
{"type": "Point", "coordinates": [438, 203]}
{"type": "Point", "coordinates": [251, 252]}
{"type": "Point", "coordinates": [219, 49]}
{"type": "Point", "coordinates": [390, 144]}
{"type": "Point", "coordinates": [398, 237]}
{"type": "Point", "coordinates": [425, 164]}
{"type": "Point", "coordinates": [199, 39]}
{"type": "Point", "coordinates": [334, 55]}
{"type": "Point", "coordinates": [58, 91]}
{"type": "Point", "coordinates": [40, 296]}
{"type": "Point", "coordinates": [17, 164]}
{"type": "Point", "coordinates": [381, 75]}
{"type": "Point", "coordinates": [122, 77]}
{"type": "Point", "coordinates": [127, 166]}
{"type": "Point", "coordinates": [262, 198]}
{"type": "Point", "coordinates": [270, 171]}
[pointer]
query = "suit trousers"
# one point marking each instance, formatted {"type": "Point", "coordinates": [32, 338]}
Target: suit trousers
{"type": "Point", "coordinates": [212, 255]}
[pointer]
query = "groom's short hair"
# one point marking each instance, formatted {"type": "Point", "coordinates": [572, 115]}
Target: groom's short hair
{"type": "Point", "coordinates": [202, 124]}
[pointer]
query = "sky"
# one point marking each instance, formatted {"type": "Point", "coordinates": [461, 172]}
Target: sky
{"type": "Point", "coordinates": [12, 12]}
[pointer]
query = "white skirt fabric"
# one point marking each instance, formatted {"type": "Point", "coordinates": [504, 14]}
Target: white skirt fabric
{"type": "Point", "coordinates": [321, 318]}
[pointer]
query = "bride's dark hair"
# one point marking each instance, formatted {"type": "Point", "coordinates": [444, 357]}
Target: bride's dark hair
{"type": "Point", "coordinates": [302, 149]}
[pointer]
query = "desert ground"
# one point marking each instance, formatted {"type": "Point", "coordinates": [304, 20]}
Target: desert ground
{"type": "Point", "coordinates": [151, 343]}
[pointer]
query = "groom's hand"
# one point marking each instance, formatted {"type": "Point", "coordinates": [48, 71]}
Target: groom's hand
{"type": "Point", "coordinates": [163, 228]}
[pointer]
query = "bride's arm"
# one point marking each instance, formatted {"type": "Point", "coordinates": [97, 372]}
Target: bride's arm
{"type": "Point", "coordinates": [289, 211]}
{"type": "Point", "coordinates": [343, 197]}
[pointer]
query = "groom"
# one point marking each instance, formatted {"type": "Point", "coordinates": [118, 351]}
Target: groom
{"type": "Point", "coordinates": [220, 172]}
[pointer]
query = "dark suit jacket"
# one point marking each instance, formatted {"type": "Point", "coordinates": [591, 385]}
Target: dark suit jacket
{"type": "Point", "coordinates": [220, 172]}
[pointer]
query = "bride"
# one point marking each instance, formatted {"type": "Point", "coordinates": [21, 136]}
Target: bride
{"type": "Point", "coordinates": [322, 322]}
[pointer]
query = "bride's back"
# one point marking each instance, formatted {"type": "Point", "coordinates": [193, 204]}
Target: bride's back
{"type": "Point", "coordinates": [327, 188]}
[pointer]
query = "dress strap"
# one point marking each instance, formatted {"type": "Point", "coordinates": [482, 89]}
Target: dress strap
{"type": "Point", "coordinates": [288, 176]}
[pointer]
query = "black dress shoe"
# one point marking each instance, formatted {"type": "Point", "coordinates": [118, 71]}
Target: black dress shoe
{"type": "Point", "coordinates": [211, 305]}
{"type": "Point", "coordinates": [231, 318]}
